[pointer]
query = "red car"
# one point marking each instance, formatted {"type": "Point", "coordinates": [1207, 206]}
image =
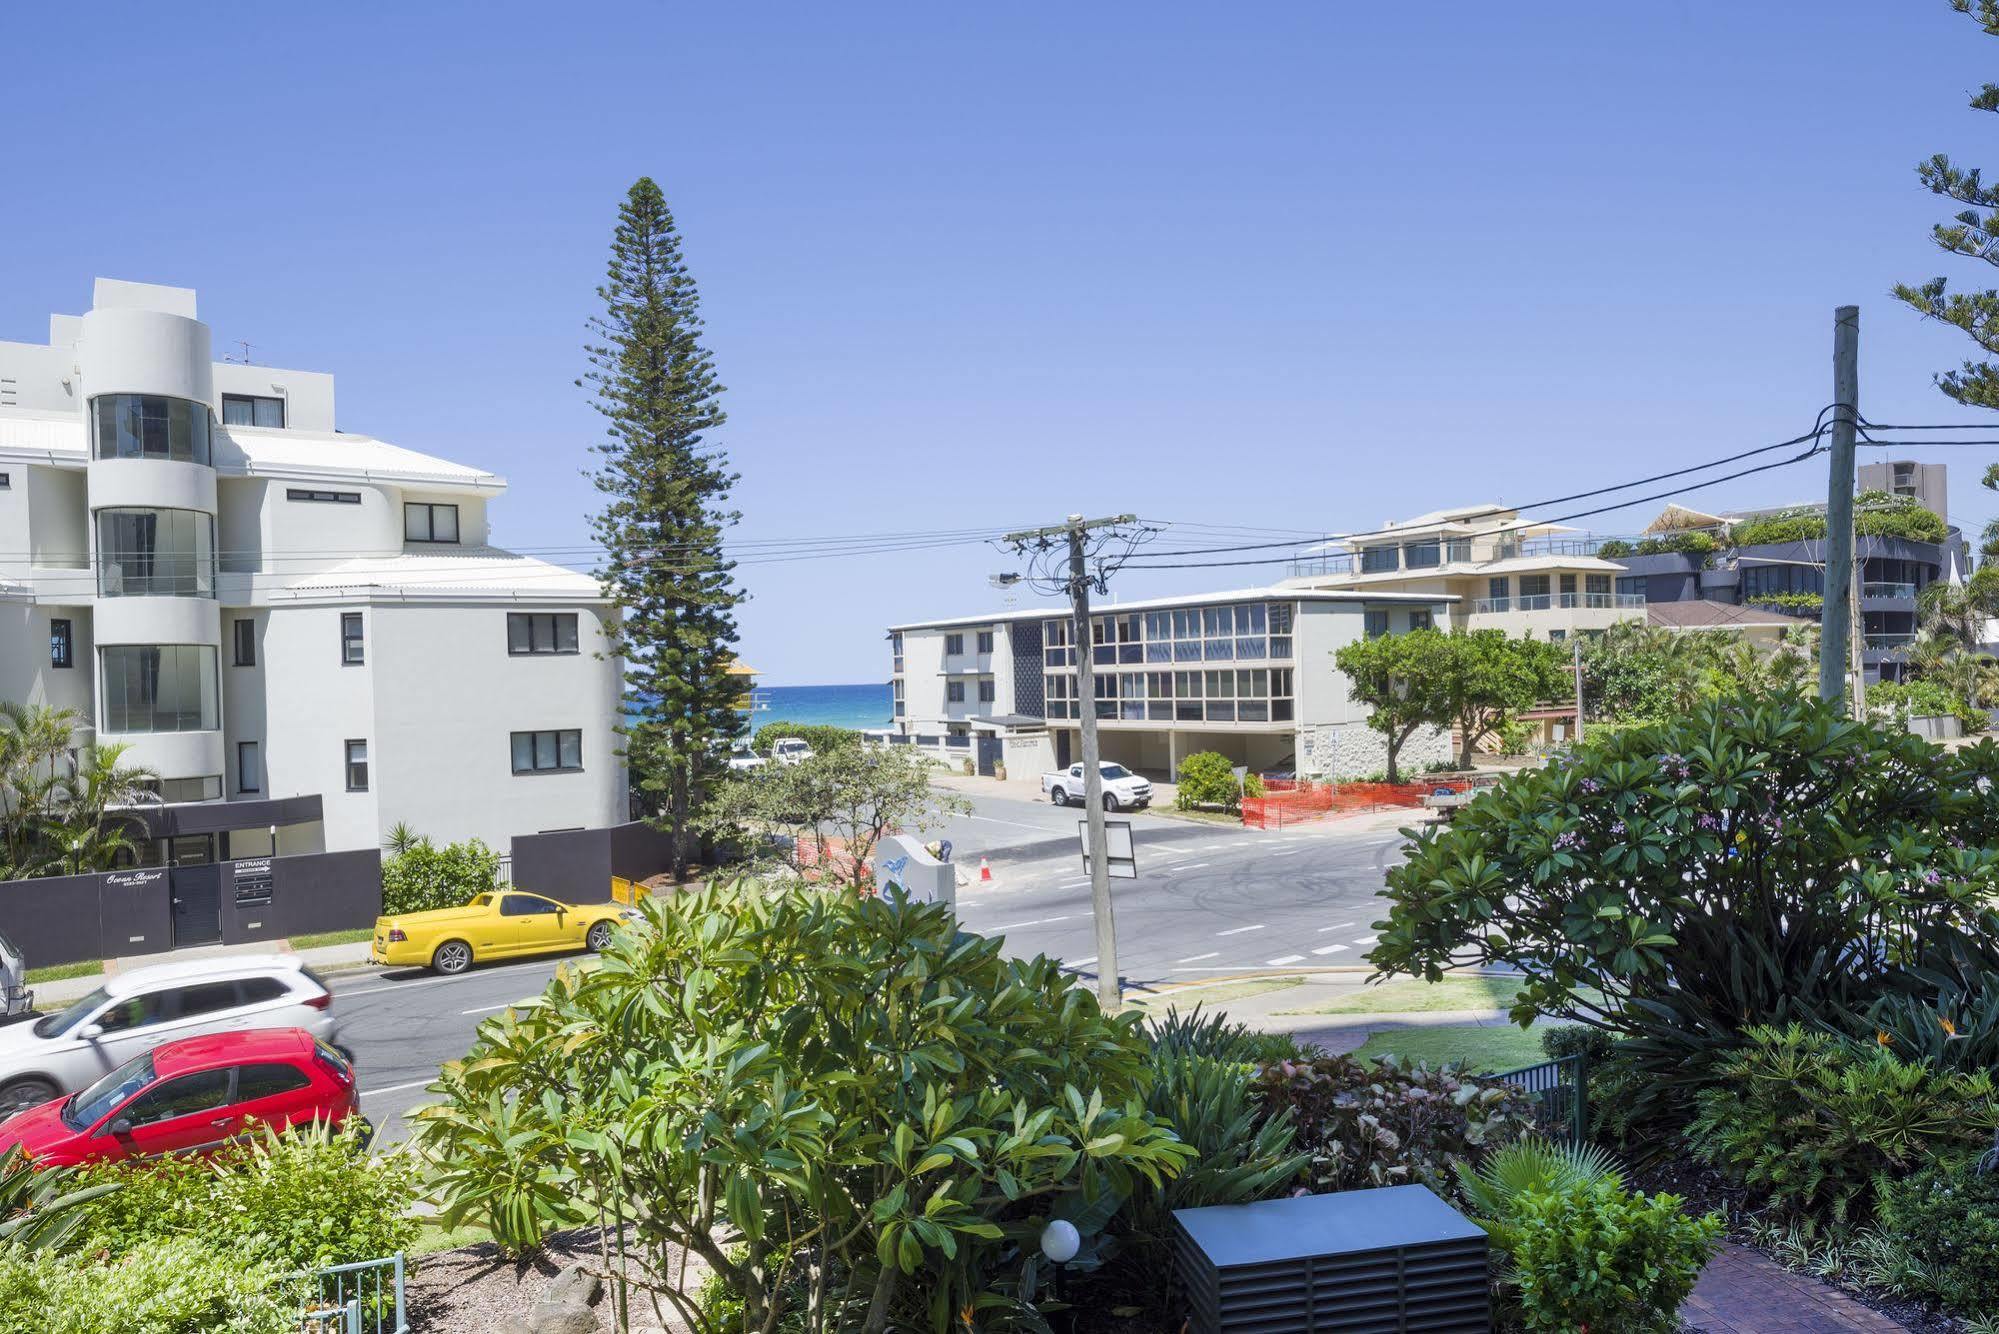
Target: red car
{"type": "Point", "coordinates": [191, 1096]}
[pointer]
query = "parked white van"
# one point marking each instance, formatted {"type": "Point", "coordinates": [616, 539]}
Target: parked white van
{"type": "Point", "coordinates": [134, 1012]}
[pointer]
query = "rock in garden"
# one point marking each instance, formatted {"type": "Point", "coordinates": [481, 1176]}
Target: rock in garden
{"type": "Point", "coordinates": [574, 1286]}
{"type": "Point", "coordinates": [561, 1318]}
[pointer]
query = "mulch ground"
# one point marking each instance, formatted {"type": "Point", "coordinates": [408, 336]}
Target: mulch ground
{"type": "Point", "coordinates": [473, 1289]}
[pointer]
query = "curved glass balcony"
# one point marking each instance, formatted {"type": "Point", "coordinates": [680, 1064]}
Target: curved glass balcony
{"type": "Point", "coordinates": [151, 426]}
{"type": "Point", "coordinates": [155, 553]}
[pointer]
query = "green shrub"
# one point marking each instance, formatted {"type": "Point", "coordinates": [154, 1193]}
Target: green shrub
{"type": "Point", "coordinates": [822, 738]}
{"type": "Point", "coordinates": [1565, 1040]}
{"type": "Point", "coordinates": [425, 876]}
{"type": "Point", "coordinates": [1756, 859]}
{"type": "Point", "coordinates": [1945, 1217]}
{"type": "Point", "coordinates": [165, 1286]}
{"type": "Point", "coordinates": [1875, 514]}
{"type": "Point", "coordinates": [1587, 1255]}
{"type": "Point", "coordinates": [1207, 778]}
{"type": "Point", "coordinates": [1895, 702]}
{"type": "Point", "coordinates": [1390, 1124]}
{"type": "Point", "coordinates": [757, 1067]}
{"type": "Point", "coordinates": [301, 1201]}
{"type": "Point", "coordinates": [1800, 603]}
{"type": "Point", "coordinates": [1815, 1122]}
{"type": "Point", "coordinates": [1687, 542]}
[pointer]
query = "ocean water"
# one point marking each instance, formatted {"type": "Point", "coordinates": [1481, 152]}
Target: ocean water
{"type": "Point", "coordinates": [829, 706]}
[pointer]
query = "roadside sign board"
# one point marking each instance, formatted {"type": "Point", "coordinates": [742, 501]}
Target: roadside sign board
{"type": "Point", "coordinates": [1120, 858]}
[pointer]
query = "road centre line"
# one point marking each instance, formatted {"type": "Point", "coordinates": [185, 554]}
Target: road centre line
{"type": "Point", "coordinates": [1329, 949]}
{"type": "Point", "coordinates": [1236, 931]}
{"type": "Point", "coordinates": [1283, 959]}
{"type": "Point", "coordinates": [1196, 958]}
{"type": "Point", "coordinates": [1336, 926]}
{"type": "Point", "coordinates": [399, 1088]}
{"type": "Point", "coordinates": [1039, 921]}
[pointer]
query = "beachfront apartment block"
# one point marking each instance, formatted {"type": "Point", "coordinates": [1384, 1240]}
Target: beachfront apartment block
{"type": "Point", "coordinates": [303, 632]}
{"type": "Point", "coordinates": [1502, 572]}
{"type": "Point", "coordinates": [1248, 673]}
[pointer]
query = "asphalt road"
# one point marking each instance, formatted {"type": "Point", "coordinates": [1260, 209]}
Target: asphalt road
{"type": "Point", "coordinates": [1209, 902]}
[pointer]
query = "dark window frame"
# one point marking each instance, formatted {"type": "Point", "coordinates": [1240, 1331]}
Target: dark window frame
{"type": "Point", "coordinates": [984, 641]}
{"type": "Point", "coordinates": [954, 692]}
{"type": "Point", "coordinates": [356, 766]}
{"type": "Point", "coordinates": [553, 742]}
{"type": "Point", "coordinates": [253, 402]}
{"type": "Point", "coordinates": [430, 508]}
{"type": "Point", "coordinates": [316, 497]}
{"type": "Point", "coordinates": [555, 623]}
{"type": "Point", "coordinates": [954, 645]}
{"type": "Point", "coordinates": [243, 641]}
{"type": "Point", "coordinates": [353, 639]}
{"type": "Point", "coordinates": [241, 785]}
{"type": "Point", "coordinates": [62, 642]}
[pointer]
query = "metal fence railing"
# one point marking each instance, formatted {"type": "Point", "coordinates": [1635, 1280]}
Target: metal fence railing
{"type": "Point", "coordinates": [1560, 1089]}
{"type": "Point", "coordinates": [361, 1298]}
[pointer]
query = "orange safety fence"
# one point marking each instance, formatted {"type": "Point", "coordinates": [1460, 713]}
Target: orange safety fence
{"type": "Point", "coordinates": [1288, 801]}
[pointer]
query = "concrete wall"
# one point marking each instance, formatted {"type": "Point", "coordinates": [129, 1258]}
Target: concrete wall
{"type": "Point", "coordinates": [333, 891]}
{"type": "Point", "coordinates": [576, 866]}
{"type": "Point", "coordinates": [25, 674]}
{"type": "Point", "coordinates": [309, 705]}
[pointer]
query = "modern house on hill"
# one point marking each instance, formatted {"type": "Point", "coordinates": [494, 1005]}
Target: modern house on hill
{"type": "Point", "coordinates": [303, 632]}
{"type": "Point", "coordinates": [1503, 572]}
{"type": "Point", "coordinates": [1248, 673]}
{"type": "Point", "coordinates": [1773, 560]}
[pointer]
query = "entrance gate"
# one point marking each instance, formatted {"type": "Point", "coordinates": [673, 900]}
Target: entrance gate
{"type": "Point", "coordinates": [991, 751]}
{"type": "Point", "coordinates": [197, 899]}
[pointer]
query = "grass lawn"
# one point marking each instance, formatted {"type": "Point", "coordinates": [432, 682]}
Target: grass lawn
{"type": "Point", "coordinates": [57, 972]}
{"type": "Point", "coordinates": [1196, 816]}
{"type": "Point", "coordinates": [1483, 1049]}
{"type": "Point", "coordinates": [1413, 996]}
{"type": "Point", "coordinates": [1186, 998]}
{"type": "Point", "coordinates": [432, 1238]}
{"type": "Point", "coordinates": [318, 938]}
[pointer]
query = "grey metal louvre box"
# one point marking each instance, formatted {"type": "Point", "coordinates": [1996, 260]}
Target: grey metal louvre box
{"type": "Point", "coordinates": [1359, 1261]}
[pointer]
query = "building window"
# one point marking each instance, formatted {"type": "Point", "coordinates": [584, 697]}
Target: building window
{"type": "Point", "coordinates": [1495, 587]}
{"type": "Point", "coordinates": [1421, 619]}
{"type": "Point", "coordinates": [147, 426]}
{"type": "Point", "coordinates": [1373, 560]}
{"type": "Point", "coordinates": [353, 649]}
{"type": "Point", "coordinates": [1376, 624]}
{"type": "Point", "coordinates": [986, 692]}
{"type": "Point", "coordinates": [895, 648]}
{"type": "Point", "coordinates": [1568, 583]}
{"type": "Point", "coordinates": [357, 766]}
{"type": "Point", "coordinates": [1557, 636]}
{"type": "Point", "coordinates": [985, 641]}
{"type": "Point", "coordinates": [159, 688]}
{"type": "Point", "coordinates": [155, 553]}
{"type": "Point", "coordinates": [245, 632]}
{"type": "Point", "coordinates": [323, 497]}
{"type": "Point", "coordinates": [249, 776]}
{"type": "Point", "coordinates": [1596, 585]}
{"type": "Point", "coordinates": [175, 790]}
{"type": "Point", "coordinates": [6, 482]}
{"type": "Point", "coordinates": [531, 632]}
{"type": "Point", "coordinates": [252, 410]}
{"type": "Point", "coordinates": [953, 645]}
{"type": "Point", "coordinates": [1422, 555]}
{"type": "Point", "coordinates": [1534, 595]}
{"type": "Point", "coordinates": [954, 692]}
{"type": "Point", "coordinates": [1634, 583]}
{"type": "Point", "coordinates": [62, 643]}
{"type": "Point", "coordinates": [547, 752]}
{"type": "Point", "coordinates": [430, 523]}
{"type": "Point", "coordinates": [896, 687]}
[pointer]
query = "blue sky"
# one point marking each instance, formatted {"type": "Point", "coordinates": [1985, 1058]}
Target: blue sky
{"type": "Point", "coordinates": [1299, 266]}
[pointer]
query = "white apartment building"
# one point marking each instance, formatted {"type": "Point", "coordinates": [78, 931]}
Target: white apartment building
{"type": "Point", "coordinates": [1248, 673]}
{"type": "Point", "coordinates": [303, 632]}
{"type": "Point", "coordinates": [1539, 580]}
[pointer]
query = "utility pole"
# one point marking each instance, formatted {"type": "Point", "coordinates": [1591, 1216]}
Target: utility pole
{"type": "Point", "coordinates": [1836, 634]}
{"type": "Point", "coordinates": [1109, 993]}
{"type": "Point", "coordinates": [1577, 645]}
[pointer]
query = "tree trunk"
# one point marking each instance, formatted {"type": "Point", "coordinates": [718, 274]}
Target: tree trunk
{"type": "Point", "coordinates": [677, 815]}
{"type": "Point", "coordinates": [877, 1321]}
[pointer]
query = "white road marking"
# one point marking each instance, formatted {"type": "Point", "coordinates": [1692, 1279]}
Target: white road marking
{"type": "Point", "coordinates": [1367, 940]}
{"type": "Point", "coordinates": [1329, 949]}
{"type": "Point", "coordinates": [1039, 921]}
{"type": "Point", "coordinates": [399, 1088]}
{"type": "Point", "coordinates": [1074, 884]}
{"type": "Point", "coordinates": [1336, 926]}
{"type": "Point", "coordinates": [1196, 958]}
{"type": "Point", "coordinates": [1037, 828]}
{"type": "Point", "coordinates": [504, 1005]}
{"type": "Point", "coordinates": [1293, 853]}
{"type": "Point", "coordinates": [1193, 866]}
{"type": "Point", "coordinates": [1236, 931]}
{"type": "Point", "coordinates": [1079, 963]}
{"type": "Point", "coordinates": [1283, 959]}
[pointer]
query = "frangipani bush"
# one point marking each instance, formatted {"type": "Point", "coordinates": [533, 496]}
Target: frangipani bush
{"type": "Point", "coordinates": [1755, 860]}
{"type": "Point", "coordinates": [809, 1090]}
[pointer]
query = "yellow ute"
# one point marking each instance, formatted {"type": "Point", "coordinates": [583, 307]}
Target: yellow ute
{"type": "Point", "coordinates": [505, 924]}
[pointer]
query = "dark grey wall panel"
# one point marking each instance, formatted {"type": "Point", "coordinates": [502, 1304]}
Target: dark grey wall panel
{"type": "Point", "coordinates": [322, 891]}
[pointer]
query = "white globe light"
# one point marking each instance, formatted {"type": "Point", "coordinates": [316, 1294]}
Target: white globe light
{"type": "Point", "coordinates": [1060, 1241]}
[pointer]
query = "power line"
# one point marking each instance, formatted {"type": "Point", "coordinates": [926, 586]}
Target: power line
{"type": "Point", "coordinates": [1819, 429]}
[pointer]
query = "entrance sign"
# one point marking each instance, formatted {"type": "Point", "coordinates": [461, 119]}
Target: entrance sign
{"type": "Point", "coordinates": [1120, 858]}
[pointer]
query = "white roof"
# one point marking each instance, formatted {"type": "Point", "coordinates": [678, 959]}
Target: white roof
{"type": "Point", "coordinates": [1186, 600]}
{"type": "Point", "coordinates": [468, 572]}
{"type": "Point", "coordinates": [245, 451]}
{"type": "Point", "coordinates": [201, 970]}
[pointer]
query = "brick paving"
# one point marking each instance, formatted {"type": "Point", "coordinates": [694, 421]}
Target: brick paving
{"type": "Point", "coordinates": [1743, 1292]}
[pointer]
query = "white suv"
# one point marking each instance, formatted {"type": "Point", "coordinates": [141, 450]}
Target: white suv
{"type": "Point", "coordinates": [137, 1011]}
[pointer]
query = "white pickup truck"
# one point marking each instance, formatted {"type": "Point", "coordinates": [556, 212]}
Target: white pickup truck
{"type": "Point", "coordinates": [1123, 789]}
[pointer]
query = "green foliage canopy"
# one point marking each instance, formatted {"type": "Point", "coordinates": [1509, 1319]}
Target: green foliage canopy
{"type": "Point", "coordinates": [423, 876]}
{"type": "Point", "coordinates": [1207, 778]}
{"type": "Point", "coordinates": [806, 1089]}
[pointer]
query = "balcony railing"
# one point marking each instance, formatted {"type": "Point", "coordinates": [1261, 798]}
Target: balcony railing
{"type": "Point", "coordinates": [1905, 591]}
{"type": "Point", "coordinates": [1891, 639]}
{"type": "Point", "coordinates": [1451, 551]}
{"type": "Point", "coordinates": [1566, 601]}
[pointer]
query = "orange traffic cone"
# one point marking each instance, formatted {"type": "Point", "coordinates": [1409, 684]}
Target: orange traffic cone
{"type": "Point", "coordinates": [985, 871]}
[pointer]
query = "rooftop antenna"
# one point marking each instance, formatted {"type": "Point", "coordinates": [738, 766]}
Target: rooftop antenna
{"type": "Point", "coordinates": [245, 358]}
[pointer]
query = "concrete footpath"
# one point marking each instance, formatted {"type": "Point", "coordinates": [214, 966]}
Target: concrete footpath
{"type": "Point", "coordinates": [1266, 1011]}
